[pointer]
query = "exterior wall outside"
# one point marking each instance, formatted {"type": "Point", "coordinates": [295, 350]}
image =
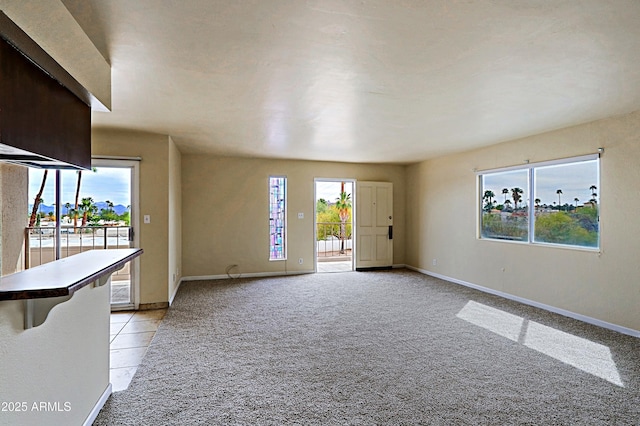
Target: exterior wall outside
{"type": "Point", "coordinates": [175, 219]}
{"type": "Point", "coordinates": [442, 216]}
{"type": "Point", "coordinates": [225, 211]}
{"type": "Point", "coordinates": [14, 181]}
{"type": "Point", "coordinates": [154, 201]}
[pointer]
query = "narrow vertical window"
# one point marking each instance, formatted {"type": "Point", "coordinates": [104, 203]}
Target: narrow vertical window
{"type": "Point", "coordinates": [277, 217]}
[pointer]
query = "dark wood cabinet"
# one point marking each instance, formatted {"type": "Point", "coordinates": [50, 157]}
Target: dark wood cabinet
{"type": "Point", "coordinates": [42, 122]}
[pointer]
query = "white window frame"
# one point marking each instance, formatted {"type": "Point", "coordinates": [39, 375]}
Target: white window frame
{"type": "Point", "coordinates": [530, 167]}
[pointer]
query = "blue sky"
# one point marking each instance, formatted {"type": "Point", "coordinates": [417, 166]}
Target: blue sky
{"type": "Point", "coordinates": [113, 184]}
{"type": "Point", "coordinates": [106, 183]}
{"type": "Point", "coordinates": [573, 179]}
{"type": "Point", "coordinates": [331, 190]}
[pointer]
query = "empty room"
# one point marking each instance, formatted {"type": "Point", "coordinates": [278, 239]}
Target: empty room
{"type": "Point", "coordinates": [319, 212]}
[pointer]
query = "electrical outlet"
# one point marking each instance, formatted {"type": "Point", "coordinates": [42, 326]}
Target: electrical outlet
{"type": "Point", "coordinates": [147, 218]}
{"type": "Point", "coordinates": [434, 262]}
{"type": "Point", "coordinates": [300, 261]}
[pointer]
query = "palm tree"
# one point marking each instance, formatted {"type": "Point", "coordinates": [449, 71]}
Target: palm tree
{"type": "Point", "coordinates": [343, 205]}
{"type": "Point", "coordinates": [559, 191]}
{"type": "Point", "coordinates": [488, 195]}
{"type": "Point", "coordinates": [109, 214]}
{"type": "Point", "coordinates": [505, 191]}
{"type": "Point", "coordinates": [76, 209]}
{"type": "Point", "coordinates": [593, 188]}
{"type": "Point", "coordinates": [68, 207]}
{"type": "Point", "coordinates": [72, 213]}
{"type": "Point", "coordinates": [87, 207]}
{"type": "Point", "coordinates": [576, 201]}
{"type": "Point", "coordinates": [515, 194]}
{"type": "Point", "coordinates": [37, 200]}
{"type": "Point", "coordinates": [507, 203]}
{"type": "Point", "coordinates": [537, 201]}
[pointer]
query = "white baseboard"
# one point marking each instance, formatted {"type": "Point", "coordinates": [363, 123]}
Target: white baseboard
{"type": "Point", "coordinates": [245, 275]}
{"type": "Point", "coordinates": [173, 296]}
{"type": "Point", "coordinates": [96, 409]}
{"type": "Point", "coordinates": [580, 317]}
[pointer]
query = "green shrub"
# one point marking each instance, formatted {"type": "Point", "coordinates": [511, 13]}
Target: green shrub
{"type": "Point", "coordinates": [563, 228]}
{"type": "Point", "coordinates": [511, 228]}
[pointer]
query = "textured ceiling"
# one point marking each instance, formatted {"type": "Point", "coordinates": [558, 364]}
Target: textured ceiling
{"type": "Point", "coordinates": [362, 81]}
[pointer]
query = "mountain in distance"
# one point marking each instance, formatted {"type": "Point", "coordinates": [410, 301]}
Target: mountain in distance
{"type": "Point", "coordinates": [119, 208]}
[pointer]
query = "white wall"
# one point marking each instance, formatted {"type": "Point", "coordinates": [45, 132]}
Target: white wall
{"type": "Point", "coordinates": [64, 360]}
{"type": "Point", "coordinates": [441, 217]}
{"type": "Point", "coordinates": [175, 219]}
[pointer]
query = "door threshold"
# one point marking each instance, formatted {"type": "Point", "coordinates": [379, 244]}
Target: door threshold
{"type": "Point", "coordinates": [374, 268]}
{"type": "Point", "coordinates": [123, 307]}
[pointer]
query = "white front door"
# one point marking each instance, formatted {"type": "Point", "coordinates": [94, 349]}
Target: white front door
{"type": "Point", "coordinates": [374, 222]}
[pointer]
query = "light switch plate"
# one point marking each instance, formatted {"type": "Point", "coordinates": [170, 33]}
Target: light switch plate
{"type": "Point", "coordinates": [147, 218]}
{"type": "Point", "coordinates": [301, 215]}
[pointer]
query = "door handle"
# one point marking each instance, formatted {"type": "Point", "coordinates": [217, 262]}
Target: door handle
{"type": "Point", "coordinates": [391, 232]}
{"type": "Point", "coordinates": [131, 234]}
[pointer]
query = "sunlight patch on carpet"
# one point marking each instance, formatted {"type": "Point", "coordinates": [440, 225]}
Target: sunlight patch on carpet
{"type": "Point", "coordinates": [583, 354]}
{"type": "Point", "coordinates": [495, 320]}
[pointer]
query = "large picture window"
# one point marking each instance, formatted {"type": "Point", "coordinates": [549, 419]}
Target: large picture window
{"type": "Point", "coordinates": [561, 196]}
{"type": "Point", "coordinates": [277, 217]}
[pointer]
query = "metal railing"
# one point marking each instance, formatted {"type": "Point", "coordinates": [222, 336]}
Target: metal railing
{"type": "Point", "coordinates": [329, 242]}
{"type": "Point", "coordinates": [40, 241]}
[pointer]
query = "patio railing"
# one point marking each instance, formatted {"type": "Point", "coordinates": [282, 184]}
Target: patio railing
{"type": "Point", "coordinates": [40, 242]}
{"type": "Point", "coordinates": [328, 241]}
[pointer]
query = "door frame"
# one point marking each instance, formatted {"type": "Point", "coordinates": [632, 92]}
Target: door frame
{"type": "Point", "coordinates": [353, 219]}
{"type": "Point", "coordinates": [132, 163]}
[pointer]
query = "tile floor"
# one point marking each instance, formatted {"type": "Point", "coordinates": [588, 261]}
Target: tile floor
{"type": "Point", "coordinates": [334, 266]}
{"type": "Point", "coordinates": [120, 291]}
{"type": "Point", "coordinates": [131, 334]}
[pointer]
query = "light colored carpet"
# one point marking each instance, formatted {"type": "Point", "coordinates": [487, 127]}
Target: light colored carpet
{"type": "Point", "coordinates": [361, 348]}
